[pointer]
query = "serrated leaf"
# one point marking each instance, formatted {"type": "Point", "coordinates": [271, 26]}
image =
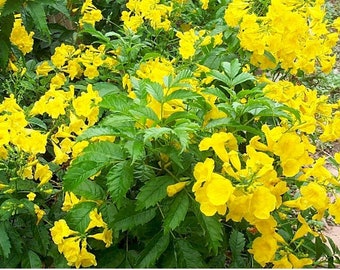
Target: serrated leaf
{"type": "Point", "coordinates": [136, 149]}
{"type": "Point", "coordinates": [90, 190]}
{"type": "Point", "coordinates": [96, 131]}
{"type": "Point", "coordinates": [155, 90]}
{"type": "Point", "coordinates": [182, 115]}
{"type": "Point", "coordinates": [128, 218]}
{"type": "Point", "coordinates": [232, 68]}
{"type": "Point", "coordinates": [237, 243]}
{"type": "Point", "coordinates": [220, 76]}
{"type": "Point", "coordinates": [106, 88]}
{"type": "Point", "coordinates": [212, 228]}
{"type": "Point", "coordinates": [78, 217]}
{"type": "Point", "coordinates": [5, 244]}
{"type": "Point", "coordinates": [10, 7]}
{"type": "Point", "coordinates": [78, 172]}
{"type": "Point", "coordinates": [188, 257]}
{"type": "Point", "coordinates": [119, 180]}
{"type": "Point", "coordinates": [143, 113]}
{"type": "Point", "coordinates": [31, 260]}
{"type": "Point", "coordinates": [156, 132]}
{"type": "Point", "coordinates": [37, 12]}
{"type": "Point", "coordinates": [153, 191]}
{"type": "Point", "coordinates": [177, 212]}
{"type": "Point", "coordinates": [181, 94]}
{"type": "Point", "coordinates": [153, 250]}
{"type": "Point", "coordinates": [115, 102]}
{"type": "Point", "coordinates": [243, 77]}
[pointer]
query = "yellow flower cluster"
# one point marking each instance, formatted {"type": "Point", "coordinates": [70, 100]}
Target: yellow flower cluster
{"type": "Point", "coordinates": [249, 187]}
{"type": "Point", "coordinates": [141, 11]}
{"type": "Point", "coordinates": [82, 112]}
{"type": "Point", "coordinates": [90, 14]}
{"type": "Point", "coordinates": [74, 63]}
{"type": "Point", "coordinates": [19, 36]}
{"type": "Point", "coordinates": [15, 135]}
{"type": "Point", "coordinates": [2, 3]}
{"type": "Point", "coordinates": [73, 244]}
{"type": "Point", "coordinates": [315, 111]}
{"type": "Point", "coordinates": [302, 44]}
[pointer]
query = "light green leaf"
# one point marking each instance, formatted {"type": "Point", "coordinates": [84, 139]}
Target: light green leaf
{"type": "Point", "coordinates": [243, 77]}
{"type": "Point", "coordinates": [188, 256]}
{"type": "Point", "coordinates": [155, 90]}
{"type": "Point", "coordinates": [232, 68]}
{"type": "Point", "coordinates": [153, 191]}
{"type": "Point", "coordinates": [177, 212]}
{"type": "Point", "coordinates": [119, 180]}
{"type": "Point", "coordinates": [220, 76]}
{"type": "Point", "coordinates": [136, 149]}
{"type": "Point", "coordinates": [78, 217]}
{"type": "Point", "coordinates": [5, 244]}
{"type": "Point", "coordinates": [37, 122]}
{"type": "Point", "coordinates": [115, 102]}
{"type": "Point", "coordinates": [181, 94]}
{"type": "Point", "coordinates": [156, 132]}
{"type": "Point", "coordinates": [96, 131]}
{"type": "Point", "coordinates": [153, 250]}
{"type": "Point", "coordinates": [90, 190]}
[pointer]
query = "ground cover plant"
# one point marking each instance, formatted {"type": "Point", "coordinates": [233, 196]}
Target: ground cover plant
{"type": "Point", "coordinates": [175, 134]}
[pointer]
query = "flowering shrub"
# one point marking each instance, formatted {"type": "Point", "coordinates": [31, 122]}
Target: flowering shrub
{"type": "Point", "coordinates": [186, 136]}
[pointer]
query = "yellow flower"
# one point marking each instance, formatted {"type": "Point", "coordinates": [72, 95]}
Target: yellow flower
{"type": "Point", "coordinates": [219, 142]}
{"type": "Point", "coordinates": [42, 173]}
{"type": "Point", "coordinates": [96, 220]}
{"type": "Point", "coordinates": [334, 210]}
{"type": "Point", "coordinates": [69, 201]}
{"type": "Point", "coordinates": [283, 263]}
{"type": "Point", "coordinates": [43, 69]}
{"type": "Point", "coordinates": [187, 43]}
{"type": "Point", "coordinates": [175, 188]}
{"type": "Point", "coordinates": [85, 258]}
{"type": "Point", "coordinates": [299, 263]}
{"type": "Point", "coordinates": [303, 230]}
{"type": "Point", "coordinates": [60, 230]}
{"type": "Point", "coordinates": [20, 38]}
{"type": "Point", "coordinates": [105, 236]}
{"type": "Point", "coordinates": [262, 203]}
{"type": "Point", "coordinates": [264, 249]}
{"type": "Point", "coordinates": [205, 4]}
{"type": "Point", "coordinates": [31, 196]}
{"type": "Point", "coordinates": [40, 213]}
{"type": "Point", "coordinates": [2, 3]}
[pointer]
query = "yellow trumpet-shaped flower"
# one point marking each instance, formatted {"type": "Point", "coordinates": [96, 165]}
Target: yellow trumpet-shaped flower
{"type": "Point", "coordinates": [175, 188]}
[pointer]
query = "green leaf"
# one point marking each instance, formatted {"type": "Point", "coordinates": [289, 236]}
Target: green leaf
{"type": "Point", "coordinates": [155, 90]}
{"type": "Point", "coordinates": [220, 76]}
{"type": "Point", "coordinates": [119, 180]}
{"type": "Point", "coordinates": [237, 243]}
{"type": "Point", "coordinates": [188, 257]}
{"type": "Point", "coordinates": [5, 244]}
{"type": "Point", "coordinates": [136, 149]}
{"type": "Point", "coordinates": [243, 77]}
{"type": "Point", "coordinates": [78, 217]}
{"type": "Point", "coordinates": [156, 132]}
{"type": "Point", "coordinates": [128, 218]}
{"type": "Point", "coordinates": [181, 94]}
{"type": "Point", "coordinates": [88, 28]}
{"type": "Point", "coordinates": [153, 191]}
{"type": "Point", "coordinates": [115, 102]}
{"type": "Point", "coordinates": [212, 229]}
{"type": "Point", "coordinates": [232, 68]}
{"type": "Point", "coordinates": [38, 15]}
{"type": "Point", "coordinates": [153, 250]}
{"type": "Point", "coordinates": [96, 131]}
{"type": "Point", "coordinates": [90, 190]}
{"type": "Point", "coordinates": [183, 132]}
{"type": "Point", "coordinates": [78, 172]}
{"type": "Point", "coordinates": [182, 115]}
{"type": "Point", "coordinates": [177, 212]}
{"type": "Point", "coordinates": [31, 260]}
{"type": "Point", "coordinates": [37, 122]}
{"type": "Point", "coordinates": [106, 88]}
{"type": "Point", "coordinates": [143, 113]}
{"type": "Point", "coordinates": [11, 6]}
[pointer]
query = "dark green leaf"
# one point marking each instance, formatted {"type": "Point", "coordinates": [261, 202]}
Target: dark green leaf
{"type": "Point", "coordinates": [177, 212]}
{"type": "Point", "coordinates": [11, 6]}
{"type": "Point", "coordinates": [31, 260]}
{"type": "Point", "coordinates": [115, 102]}
{"type": "Point", "coordinates": [237, 243]}
{"type": "Point", "coordinates": [78, 217]}
{"type": "Point", "coordinates": [136, 149]}
{"type": "Point", "coordinates": [128, 218]}
{"type": "Point", "coordinates": [220, 76]}
{"type": "Point", "coordinates": [5, 244]}
{"type": "Point", "coordinates": [119, 180]}
{"type": "Point", "coordinates": [38, 15]}
{"type": "Point", "coordinates": [154, 249]}
{"type": "Point", "coordinates": [90, 190]}
{"type": "Point", "coordinates": [37, 122]}
{"type": "Point", "coordinates": [188, 256]}
{"type": "Point", "coordinates": [153, 191]}
{"type": "Point", "coordinates": [212, 228]}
